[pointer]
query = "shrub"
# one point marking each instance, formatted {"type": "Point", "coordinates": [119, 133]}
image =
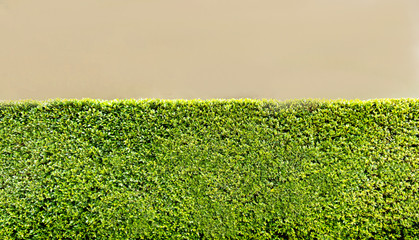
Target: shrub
{"type": "Point", "coordinates": [214, 169]}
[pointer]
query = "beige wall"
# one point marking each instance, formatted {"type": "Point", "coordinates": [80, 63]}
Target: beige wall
{"type": "Point", "coordinates": [208, 49]}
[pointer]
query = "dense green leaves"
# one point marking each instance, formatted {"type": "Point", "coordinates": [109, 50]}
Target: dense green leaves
{"type": "Point", "coordinates": [236, 169]}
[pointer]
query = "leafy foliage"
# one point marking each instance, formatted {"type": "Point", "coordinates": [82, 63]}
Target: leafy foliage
{"type": "Point", "coordinates": [236, 169]}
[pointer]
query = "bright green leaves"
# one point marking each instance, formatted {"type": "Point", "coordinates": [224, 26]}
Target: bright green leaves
{"type": "Point", "coordinates": [193, 169]}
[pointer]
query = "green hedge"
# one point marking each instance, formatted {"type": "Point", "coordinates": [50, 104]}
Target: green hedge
{"type": "Point", "coordinates": [215, 169]}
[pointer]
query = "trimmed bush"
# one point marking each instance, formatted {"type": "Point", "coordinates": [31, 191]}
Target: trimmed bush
{"type": "Point", "coordinates": [215, 169]}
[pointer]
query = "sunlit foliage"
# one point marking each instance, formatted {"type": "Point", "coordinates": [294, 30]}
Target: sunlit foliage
{"type": "Point", "coordinates": [213, 169]}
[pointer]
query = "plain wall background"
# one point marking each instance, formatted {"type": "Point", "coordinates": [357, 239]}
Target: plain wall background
{"type": "Point", "coordinates": [208, 49]}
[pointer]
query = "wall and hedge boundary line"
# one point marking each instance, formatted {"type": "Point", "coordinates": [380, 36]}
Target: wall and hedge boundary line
{"type": "Point", "coordinates": [209, 169]}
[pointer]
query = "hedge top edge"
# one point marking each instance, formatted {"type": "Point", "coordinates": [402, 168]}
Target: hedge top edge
{"type": "Point", "coordinates": [209, 101]}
